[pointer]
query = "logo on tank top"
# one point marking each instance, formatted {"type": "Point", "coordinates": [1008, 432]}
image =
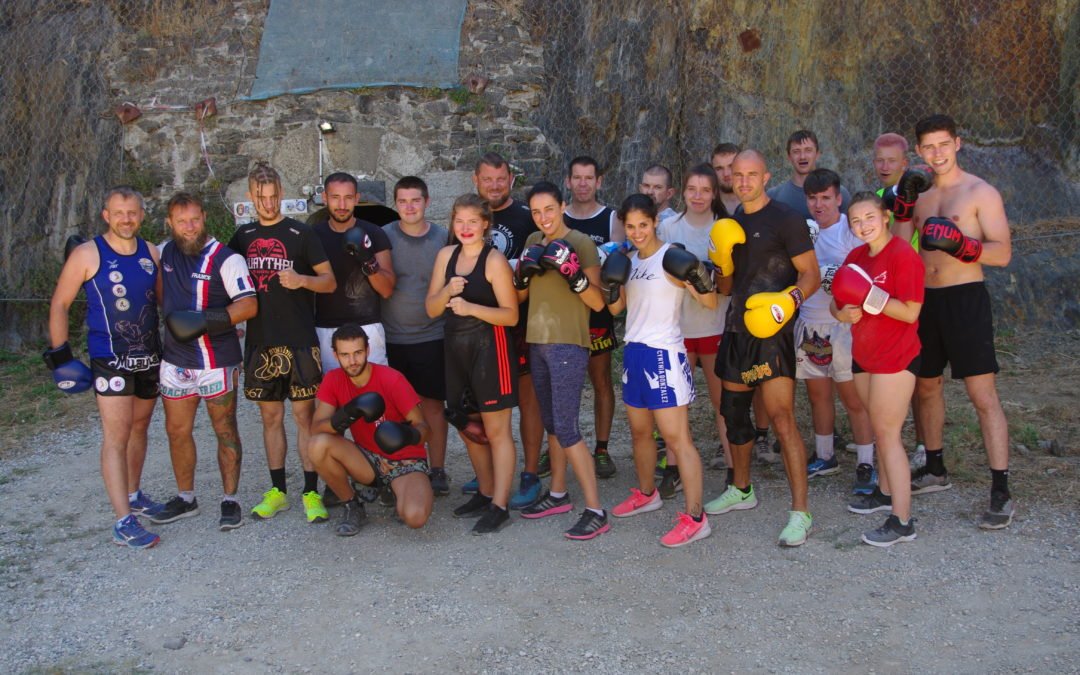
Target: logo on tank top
{"type": "Point", "coordinates": [265, 258]}
{"type": "Point", "coordinates": [115, 276]}
{"type": "Point", "coordinates": [123, 304]}
{"type": "Point", "coordinates": [147, 265]}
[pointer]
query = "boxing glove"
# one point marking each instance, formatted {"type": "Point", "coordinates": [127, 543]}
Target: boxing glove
{"type": "Point", "coordinates": [723, 237]}
{"type": "Point", "coordinates": [942, 234]}
{"type": "Point", "coordinates": [684, 266]}
{"type": "Point", "coordinates": [368, 406]}
{"type": "Point", "coordinates": [561, 257]}
{"type": "Point", "coordinates": [614, 274]}
{"type": "Point", "coordinates": [358, 245]}
{"type": "Point", "coordinates": [901, 198]}
{"type": "Point", "coordinates": [72, 243]}
{"type": "Point", "coordinates": [393, 436]}
{"type": "Point", "coordinates": [187, 325]}
{"type": "Point", "coordinates": [71, 376]}
{"type": "Point", "coordinates": [851, 285]}
{"type": "Point", "coordinates": [827, 274]}
{"type": "Point", "coordinates": [528, 266]}
{"type": "Point", "coordinates": [470, 428]}
{"type": "Point", "coordinates": [767, 313]}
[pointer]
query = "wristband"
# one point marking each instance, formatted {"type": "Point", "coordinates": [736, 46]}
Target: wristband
{"type": "Point", "coordinates": [54, 358]}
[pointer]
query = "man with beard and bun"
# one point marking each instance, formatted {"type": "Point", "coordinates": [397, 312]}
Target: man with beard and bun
{"type": "Point", "coordinates": [206, 290]}
{"type": "Point", "coordinates": [803, 152]}
{"type": "Point", "coordinates": [281, 352]}
{"type": "Point", "coordinates": [722, 157]}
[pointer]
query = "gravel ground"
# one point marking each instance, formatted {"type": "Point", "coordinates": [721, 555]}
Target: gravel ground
{"type": "Point", "coordinates": [285, 596]}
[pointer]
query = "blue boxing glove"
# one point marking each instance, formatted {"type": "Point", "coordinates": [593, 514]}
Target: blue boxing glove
{"type": "Point", "coordinates": [71, 376]}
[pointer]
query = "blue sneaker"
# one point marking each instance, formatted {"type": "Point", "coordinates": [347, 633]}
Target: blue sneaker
{"type": "Point", "coordinates": [865, 480]}
{"type": "Point", "coordinates": [528, 491]}
{"type": "Point", "coordinates": [142, 505]}
{"type": "Point", "coordinates": [823, 467]}
{"type": "Point", "coordinates": [128, 532]}
{"type": "Point", "coordinates": [471, 488]}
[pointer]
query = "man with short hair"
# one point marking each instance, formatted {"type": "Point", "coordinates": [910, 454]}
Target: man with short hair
{"type": "Point", "coordinates": [803, 152]}
{"type": "Point", "coordinates": [657, 183]}
{"type": "Point", "coordinates": [722, 157]}
{"type": "Point", "coordinates": [281, 350]}
{"type": "Point", "coordinates": [119, 272]}
{"type": "Point", "coordinates": [206, 290]}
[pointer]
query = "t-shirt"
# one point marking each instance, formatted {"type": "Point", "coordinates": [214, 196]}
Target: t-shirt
{"type": "Point", "coordinates": [213, 279]}
{"type": "Point", "coordinates": [354, 299]}
{"type": "Point", "coordinates": [698, 321]}
{"type": "Point", "coordinates": [337, 390]}
{"type": "Point", "coordinates": [794, 196]}
{"type": "Point", "coordinates": [774, 235]}
{"type": "Point", "coordinates": [881, 344]}
{"type": "Point", "coordinates": [286, 317]}
{"type": "Point", "coordinates": [831, 245]}
{"type": "Point", "coordinates": [404, 314]}
{"type": "Point", "coordinates": [556, 314]}
{"type": "Point", "coordinates": [513, 225]}
{"type": "Point", "coordinates": [653, 303]}
{"type": "Point", "coordinates": [666, 214]}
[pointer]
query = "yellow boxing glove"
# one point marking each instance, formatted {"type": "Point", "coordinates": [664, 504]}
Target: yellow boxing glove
{"type": "Point", "coordinates": [725, 233]}
{"type": "Point", "coordinates": [767, 313]}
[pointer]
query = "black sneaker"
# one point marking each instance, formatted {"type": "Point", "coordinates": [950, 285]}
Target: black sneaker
{"type": "Point", "coordinates": [671, 483]}
{"type": "Point", "coordinates": [231, 517]}
{"type": "Point", "coordinates": [367, 493]}
{"type": "Point", "coordinates": [544, 469]}
{"type": "Point", "coordinates": [440, 482]}
{"type": "Point", "coordinates": [473, 508]}
{"type": "Point", "coordinates": [329, 499]}
{"type": "Point", "coordinates": [1000, 513]}
{"type": "Point", "coordinates": [387, 497]}
{"type": "Point", "coordinates": [892, 532]}
{"type": "Point", "coordinates": [923, 482]}
{"type": "Point", "coordinates": [605, 465]}
{"type": "Point", "coordinates": [175, 509]}
{"type": "Point", "coordinates": [353, 517]}
{"type": "Point", "coordinates": [588, 526]}
{"type": "Point", "coordinates": [493, 519]}
{"type": "Point", "coordinates": [871, 503]}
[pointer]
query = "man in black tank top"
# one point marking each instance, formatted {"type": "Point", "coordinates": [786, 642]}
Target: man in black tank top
{"type": "Point", "coordinates": [587, 215]}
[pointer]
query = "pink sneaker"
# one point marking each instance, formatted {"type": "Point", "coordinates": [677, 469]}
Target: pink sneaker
{"type": "Point", "coordinates": [638, 502]}
{"type": "Point", "coordinates": [686, 531]}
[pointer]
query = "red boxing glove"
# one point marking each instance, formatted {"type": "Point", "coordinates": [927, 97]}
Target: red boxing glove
{"type": "Point", "coordinates": [851, 285]}
{"type": "Point", "coordinates": [942, 234]}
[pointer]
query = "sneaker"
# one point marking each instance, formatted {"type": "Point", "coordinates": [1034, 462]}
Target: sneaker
{"type": "Point", "coordinates": [852, 448]}
{"type": "Point", "coordinates": [865, 480]}
{"type": "Point", "coordinates": [175, 509]}
{"type": "Point", "coordinates": [718, 463]}
{"type": "Point", "coordinates": [918, 458]}
{"type": "Point", "coordinates": [548, 506]}
{"type": "Point", "coordinates": [528, 491]}
{"type": "Point", "coordinates": [329, 498]}
{"type": "Point", "coordinates": [638, 502]}
{"type": "Point", "coordinates": [686, 530]}
{"type": "Point", "coordinates": [387, 497]}
{"type": "Point", "coordinates": [923, 482]}
{"type": "Point", "coordinates": [732, 499]}
{"type": "Point", "coordinates": [471, 487]}
{"type": "Point", "coordinates": [142, 505]}
{"type": "Point", "coordinates": [892, 532]}
{"type": "Point", "coordinates": [671, 483]}
{"type": "Point", "coordinates": [605, 465]}
{"type": "Point", "coordinates": [367, 493]}
{"type": "Point", "coordinates": [129, 532]}
{"type": "Point", "coordinates": [1000, 513]}
{"type": "Point", "coordinates": [661, 444]}
{"type": "Point", "coordinates": [661, 465]}
{"type": "Point", "coordinates": [273, 501]}
{"type": "Point", "coordinates": [765, 452]}
{"type": "Point", "coordinates": [353, 517]}
{"type": "Point", "coordinates": [474, 507]}
{"type": "Point", "coordinates": [492, 520]}
{"type": "Point", "coordinates": [871, 503]}
{"type": "Point", "coordinates": [544, 469]}
{"type": "Point", "coordinates": [440, 482]}
{"type": "Point", "coordinates": [823, 467]}
{"type": "Point", "coordinates": [797, 529]}
{"type": "Point", "coordinates": [588, 526]}
{"type": "Point", "coordinates": [314, 509]}
{"type": "Point", "coordinates": [231, 517]}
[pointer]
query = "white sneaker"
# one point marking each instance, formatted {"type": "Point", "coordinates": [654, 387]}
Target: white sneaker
{"type": "Point", "coordinates": [918, 458]}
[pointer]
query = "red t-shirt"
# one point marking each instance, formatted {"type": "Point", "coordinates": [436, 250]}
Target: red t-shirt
{"type": "Point", "coordinates": [337, 390]}
{"type": "Point", "coordinates": [881, 344]}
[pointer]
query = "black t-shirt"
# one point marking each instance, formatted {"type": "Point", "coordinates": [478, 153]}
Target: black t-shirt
{"type": "Point", "coordinates": [774, 235]}
{"type": "Point", "coordinates": [512, 227]}
{"type": "Point", "coordinates": [354, 300]}
{"type": "Point", "coordinates": [286, 317]}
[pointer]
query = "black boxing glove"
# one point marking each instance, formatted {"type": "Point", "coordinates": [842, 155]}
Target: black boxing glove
{"type": "Point", "coordinates": [368, 406]}
{"type": "Point", "coordinates": [901, 198]}
{"type": "Point", "coordinates": [528, 266]}
{"type": "Point", "coordinates": [393, 436]}
{"type": "Point", "coordinates": [685, 266]}
{"type": "Point", "coordinates": [358, 245]}
{"type": "Point", "coordinates": [560, 256]}
{"type": "Point", "coordinates": [614, 274]}
{"type": "Point", "coordinates": [187, 325]}
{"type": "Point", "coordinates": [942, 234]}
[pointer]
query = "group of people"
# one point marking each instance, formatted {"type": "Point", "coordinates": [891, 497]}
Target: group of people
{"type": "Point", "coordinates": [382, 338]}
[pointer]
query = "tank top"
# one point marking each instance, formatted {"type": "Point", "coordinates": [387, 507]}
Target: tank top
{"type": "Point", "coordinates": [653, 303]}
{"type": "Point", "coordinates": [121, 308]}
{"type": "Point", "coordinates": [597, 226]}
{"type": "Point", "coordinates": [478, 290]}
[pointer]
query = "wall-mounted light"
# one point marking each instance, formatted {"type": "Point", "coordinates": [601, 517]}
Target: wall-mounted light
{"type": "Point", "coordinates": [326, 128]}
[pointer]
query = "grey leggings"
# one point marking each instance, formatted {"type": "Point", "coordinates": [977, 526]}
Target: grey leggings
{"type": "Point", "coordinates": [558, 374]}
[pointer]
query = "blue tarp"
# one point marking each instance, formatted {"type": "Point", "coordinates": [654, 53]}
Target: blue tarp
{"type": "Point", "coordinates": [341, 44]}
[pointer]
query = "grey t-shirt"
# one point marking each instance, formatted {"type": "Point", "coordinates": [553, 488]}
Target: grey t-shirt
{"type": "Point", "coordinates": [404, 317]}
{"type": "Point", "coordinates": [794, 197]}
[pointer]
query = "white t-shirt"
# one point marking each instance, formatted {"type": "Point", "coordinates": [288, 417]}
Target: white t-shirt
{"type": "Point", "coordinates": [697, 320]}
{"type": "Point", "coordinates": [831, 245]}
{"type": "Point", "coordinates": [653, 303]}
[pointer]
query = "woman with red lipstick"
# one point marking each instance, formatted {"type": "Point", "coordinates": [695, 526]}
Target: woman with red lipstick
{"type": "Point", "coordinates": [474, 282]}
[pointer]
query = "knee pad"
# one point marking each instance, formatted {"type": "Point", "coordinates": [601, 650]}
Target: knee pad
{"type": "Point", "coordinates": [735, 408]}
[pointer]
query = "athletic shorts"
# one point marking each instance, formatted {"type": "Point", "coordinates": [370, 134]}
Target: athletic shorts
{"type": "Point", "coordinates": [423, 364]}
{"type": "Point", "coordinates": [179, 383]}
{"type": "Point", "coordinates": [112, 381]}
{"type": "Point", "coordinates": [520, 343]}
{"type": "Point", "coordinates": [656, 378]}
{"type": "Point", "coordinates": [912, 367]}
{"type": "Point", "coordinates": [703, 345]}
{"type": "Point", "coordinates": [602, 332]}
{"type": "Point", "coordinates": [277, 373]}
{"type": "Point", "coordinates": [822, 351]}
{"type": "Point", "coordinates": [388, 470]}
{"type": "Point", "coordinates": [748, 360]}
{"type": "Point", "coordinates": [482, 361]}
{"type": "Point", "coordinates": [956, 327]}
{"type": "Point", "coordinates": [376, 345]}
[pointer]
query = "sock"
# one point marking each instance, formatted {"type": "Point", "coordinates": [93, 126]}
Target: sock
{"type": "Point", "coordinates": [187, 495]}
{"type": "Point", "coordinates": [999, 481]}
{"type": "Point", "coordinates": [311, 481]}
{"type": "Point", "coordinates": [557, 495]}
{"type": "Point", "coordinates": [132, 496]}
{"type": "Point", "coordinates": [761, 434]}
{"type": "Point", "coordinates": [903, 523]}
{"type": "Point", "coordinates": [698, 517]}
{"type": "Point", "coordinates": [865, 452]}
{"type": "Point", "coordinates": [277, 478]}
{"type": "Point", "coordinates": [730, 476]}
{"type": "Point", "coordinates": [600, 445]}
{"type": "Point", "coordinates": [121, 521]}
{"type": "Point", "coordinates": [824, 446]}
{"type": "Point", "coordinates": [935, 462]}
{"type": "Point", "coordinates": [599, 512]}
{"type": "Point", "coordinates": [230, 498]}
{"type": "Point", "coordinates": [746, 491]}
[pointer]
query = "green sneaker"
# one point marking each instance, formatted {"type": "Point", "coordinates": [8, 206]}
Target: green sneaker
{"type": "Point", "coordinates": [314, 509]}
{"type": "Point", "coordinates": [732, 499]}
{"type": "Point", "coordinates": [797, 530]}
{"type": "Point", "coordinates": [273, 501]}
{"type": "Point", "coordinates": [545, 465]}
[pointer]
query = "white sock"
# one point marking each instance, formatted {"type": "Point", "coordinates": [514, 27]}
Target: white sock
{"type": "Point", "coordinates": [824, 446]}
{"type": "Point", "coordinates": [558, 495]}
{"type": "Point", "coordinates": [187, 495]}
{"type": "Point", "coordinates": [599, 512]}
{"type": "Point", "coordinates": [865, 453]}
{"type": "Point", "coordinates": [132, 496]}
{"type": "Point", "coordinates": [230, 498]}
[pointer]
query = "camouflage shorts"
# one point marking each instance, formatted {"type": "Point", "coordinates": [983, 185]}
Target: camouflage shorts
{"type": "Point", "coordinates": [388, 470]}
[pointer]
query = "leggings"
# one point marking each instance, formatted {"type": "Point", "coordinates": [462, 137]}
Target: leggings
{"type": "Point", "coordinates": [558, 373]}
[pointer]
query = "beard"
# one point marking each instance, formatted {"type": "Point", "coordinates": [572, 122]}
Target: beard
{"type": "Point", "coordinates": [194, 246]}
